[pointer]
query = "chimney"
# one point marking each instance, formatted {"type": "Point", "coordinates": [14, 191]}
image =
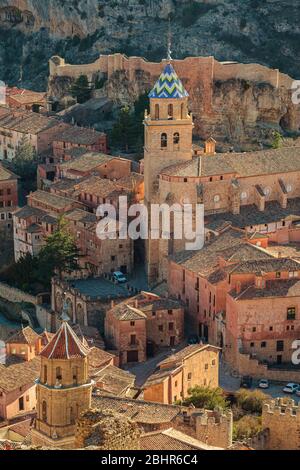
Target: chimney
{"type": "Point", "coordinates": [112, 304]}
{"type": "Point", "coordinates": [210, 146]}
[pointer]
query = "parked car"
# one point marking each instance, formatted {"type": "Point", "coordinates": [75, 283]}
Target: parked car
{"type": "Point", "coordinates": [263, 383]}
{"type": "Point", "coordinates": [246, 381]}
{"type": "Point", "coordinates": [193, 339]}
{"type": "Point", "coordinates": [119, 277]}
{"type": "Point", "coordinates": [291, 388]}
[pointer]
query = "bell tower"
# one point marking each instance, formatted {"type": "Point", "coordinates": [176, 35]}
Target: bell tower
{"type": "Point", "coordinates": [63, 390]}
{"type": "Point", "coordinates": [168, 140]}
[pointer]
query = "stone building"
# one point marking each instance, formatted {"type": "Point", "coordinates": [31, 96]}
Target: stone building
{"type": "Point", "coordinates": [63, 390]}
{"type": "Point", "coordinates": [106, 166]}
{"type": "Point", "coordinates": [192, 366]}
{"type": "Point", "coordinates": [25, 344]}
{"type": "Point", "coordinates": [78, 137]}
{"type": "Point", "coordinates": [17, 388]}
{"type": "Point", "coordinates": [37, 129]}
{"type": "Point", "coordinates": [137, 327]}
{"type": "Point", "coordinates": [8, 199]}
{"type": "Point", "coordinates": [224, 183]}
{"type": "Point", "coordinates": [242, 297]}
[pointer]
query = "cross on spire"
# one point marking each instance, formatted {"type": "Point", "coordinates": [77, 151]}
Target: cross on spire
{"type": "Point", "coordinates": [169, 41]}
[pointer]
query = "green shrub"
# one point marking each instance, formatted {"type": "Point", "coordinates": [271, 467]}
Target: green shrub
{"type": "Point", "coordinates": [251, 400]}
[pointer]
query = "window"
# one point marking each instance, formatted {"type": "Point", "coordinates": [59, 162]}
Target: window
{"type": "Point", "coordinates": [254, 329]}
{"type": "Point", "coordinates": [182, 111]}
{"type": "Point", "coordinates": [251, 345]}
{"type": "Point", "coordinates": [21, 404]}
{"type": "Point", "coordinates": [213, 362]}
{"type": "Point", "coordinates": [176, 383]}
{"type": "Point", "coordinates": [75, 375]}
{"type": "Point", "coordinates": [206, 367]}
{"type": "Point", "coordinates": [157, 112]}
{"type": "Point", "coordinates": [58, 373]}
{"type": "Point", "coordinates": [189, 376]}
{"type": "Point", "coordinates": [170, 111]}
{"type": "Point", "coordinates": [45, 374]}
{"type": "Point", "coordinates": [263, 344]}
{"type": "Point", "coordinates": [170, 312]}
{"type": "Point", "coordinates": [44, 411]}
{"type": "Point", "coordinates": [132, 323]}
{"type": "Point", "coordinates": [132, 340]}
{"type": "Point", "coordinates": [278, 274]}
{"type": "Point", "coordinates": [291, 313]}
{"type": "Point", "coordinates": [164, 141]}
{"type": "Point", "coordinates": [176, 138]}
{"type": "Point", "coordinates": [280, 345]}
{"type": "Point", "coordinates": [171, 326]}
{"type": "Point", "coordinates": [271, 328]}
{"type": "Point", "coordinates": [160, 328]}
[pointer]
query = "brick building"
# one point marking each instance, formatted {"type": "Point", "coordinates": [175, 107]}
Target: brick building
{"type": "Point", "coordinates": [106, 166]}
{"type": "Point", "coordinates": [140, 325]}
{"type": "Point", "coordinates": [78, 137]}
{"type": "Point", "coordinates": [8, 198]}
{"type": "Point", "coordinates": [241, 297]}
{"type": "Point", "coordinates": [192, 366]}
{"type": "Point", "coordinates": [37, 129]}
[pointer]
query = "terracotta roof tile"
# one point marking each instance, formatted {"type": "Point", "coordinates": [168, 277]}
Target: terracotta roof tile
{"type": "Point", "coordinates": [65, 345]}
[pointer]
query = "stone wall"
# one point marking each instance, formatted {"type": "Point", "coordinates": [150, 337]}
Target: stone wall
{"type": "Point", "coordinates": [106, 430]}
{"type": "Point", "coordinates": [230, 100]}
{"type": "Point", "coordinates": [16, 295]}
{"type": "Point", "coordinates": [282, 419]}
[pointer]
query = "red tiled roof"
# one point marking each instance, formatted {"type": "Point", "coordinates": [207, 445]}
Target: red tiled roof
{"type": "Point", "coordinates": [65, 345]}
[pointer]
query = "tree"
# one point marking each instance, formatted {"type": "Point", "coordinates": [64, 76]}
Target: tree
{"type": "Point", "coordinates": [123, 131]}
{"type": "Point", "coordinates": [25, 165]}
{"type": "Point", "coordinates": [277, 141]}
{"type": "Point", "coordinates": [251, 401]}
{"type": "Point", "coordinates": [59, 254]}
{"type": "Point", "coordinates": [205, 397]}
{"type": "Point", "coordinates": [246, 427]}
{"type": "Point", "coordinates": [23, 273]}
{"type": "Point", "coordinates": [81, 89]}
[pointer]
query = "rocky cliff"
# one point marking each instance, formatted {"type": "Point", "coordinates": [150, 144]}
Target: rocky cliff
{"type": "Point", "coordinates": [266, 32]}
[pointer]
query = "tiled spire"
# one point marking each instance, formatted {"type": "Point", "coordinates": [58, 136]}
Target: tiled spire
{"type": "Point", "coordinates": [168, 85]}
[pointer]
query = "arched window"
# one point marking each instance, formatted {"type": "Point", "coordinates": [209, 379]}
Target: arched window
{"type": "Point", "coordinates": [182, 111]}
{"type": "Point", "coordinates": [75, 375]}
{"type": "Point", "coordinates": [44, 411]}
{"type": "Point", "coordinates": [72, 415]}
{"type": "Point", "coordinates": [157, 111]}
{"type": "Point", "coordinates": [176, 138]}
{"type": "Point", "coordinates": [164, 140]}
{"type": "Point", "coordinates": [170, 111]}
{"type": "Point", "coordinates": [58, 373]}
{"type": "Point", "coordinates": [45, 374]}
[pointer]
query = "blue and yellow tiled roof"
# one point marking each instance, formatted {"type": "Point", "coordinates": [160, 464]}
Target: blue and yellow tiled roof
{"type": "Point", "coordinates": [168, 85]}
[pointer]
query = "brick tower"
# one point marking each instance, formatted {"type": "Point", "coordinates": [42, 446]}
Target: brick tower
{"type": "Point", "coordinates": [168, 141]}
{"type": "Point", "coordinates": [63, 390]}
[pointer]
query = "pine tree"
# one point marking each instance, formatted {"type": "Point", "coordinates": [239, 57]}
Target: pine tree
{"type": "Point", "coordinates": [59, 254]}
{"type": "Point", "coordinates": [81, 89]}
